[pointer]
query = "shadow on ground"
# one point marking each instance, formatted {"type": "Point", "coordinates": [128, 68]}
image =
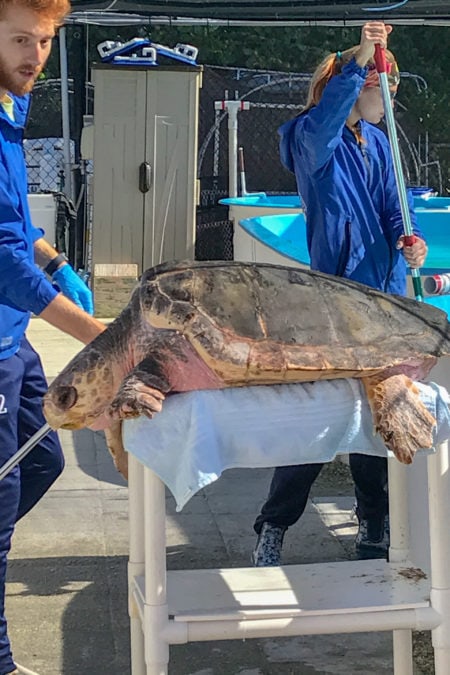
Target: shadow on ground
{"type": "Point", "coordinates": [93, 456]}
{"type": "Point", "coordinates": [90, 596]}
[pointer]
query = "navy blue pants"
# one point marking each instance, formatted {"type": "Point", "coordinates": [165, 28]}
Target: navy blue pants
{"type": "Point", "coordinates": [290, 487]}
{"type": "Point", "coordinates": [22, 386]}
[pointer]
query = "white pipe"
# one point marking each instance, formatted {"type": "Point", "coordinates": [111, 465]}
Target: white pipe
{"type": "Point", "coordinates": [65, 112]}
{"type": "Point", "coordinates": [440, 600]}
{"type": "Point", "coordinates": [216, 143]}
{"type": "Point", "coordinates": [403, 652]}
{"type": "Point", "coordinates": [424, 618]}
{"type": "Point", "coordinates": [439, 510]}
{"type": "Point", "coordinates": [135, 502]}
{"type": "Point", "coordinates": [136, 561]}
{"type": "Point", "coordinates": [155, 610]}
{"type": "Point", "coordinates": [232, 147]}
{"type": "Point", "coordinates": [155, 538]}
{"type": "Point", "coordinates": [398, 511]}
{"type": "Point", "coordinates": [399, 551]}
{"type": "Point", "coordinates": [232, 107]}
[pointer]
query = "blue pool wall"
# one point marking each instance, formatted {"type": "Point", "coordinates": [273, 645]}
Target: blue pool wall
{"type": "Point", "coordinates": [261, 199]}
{"type": "Point", "coordinates": [285, 231]}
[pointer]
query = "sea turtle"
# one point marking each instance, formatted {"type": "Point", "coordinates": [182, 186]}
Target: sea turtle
{"type": "Point", "coordinates": [209, 325]}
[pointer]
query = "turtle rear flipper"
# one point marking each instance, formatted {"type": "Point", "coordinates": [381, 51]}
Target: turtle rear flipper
{"type": "Point", "coordinates": [400, 417]}
{"type": "Point", "coordinates": [141, 393]}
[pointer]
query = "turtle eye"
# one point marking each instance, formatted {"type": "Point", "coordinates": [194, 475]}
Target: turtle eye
{"type": "Point", "coordinates": [66, 397]}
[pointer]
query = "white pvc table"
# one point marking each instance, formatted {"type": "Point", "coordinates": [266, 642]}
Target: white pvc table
{"type": "Point", "coordinates": [356, 596]}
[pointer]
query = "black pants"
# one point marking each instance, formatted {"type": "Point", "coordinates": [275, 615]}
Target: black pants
{"type": "Point", "coordinates": [291, 485]}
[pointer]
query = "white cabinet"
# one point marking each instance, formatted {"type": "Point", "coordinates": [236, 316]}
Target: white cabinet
{"type": "Point", "coordinates": [43, 214]}
{"type": "Point", "coordinates": [145, 164]}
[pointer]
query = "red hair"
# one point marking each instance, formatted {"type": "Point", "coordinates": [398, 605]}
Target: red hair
{"type": "Point", "coordinates": [55, 10]}
{"type": "Point", "coordinates": [330, 66]}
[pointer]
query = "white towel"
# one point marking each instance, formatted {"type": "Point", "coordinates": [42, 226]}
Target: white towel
{"type": "Point", "coordinates": [199, 434]}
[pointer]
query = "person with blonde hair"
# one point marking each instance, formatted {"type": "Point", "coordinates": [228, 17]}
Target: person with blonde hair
{"type": "Point", "coordinates": [345, 177]}
{"type": "Point", "coordinates": [27, 28]}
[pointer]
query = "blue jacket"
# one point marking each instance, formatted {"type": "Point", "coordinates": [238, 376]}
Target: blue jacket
{"type": "Point", "coordinates": [23, 287]}
{"type": "Point", "coordinates": [349, 191]}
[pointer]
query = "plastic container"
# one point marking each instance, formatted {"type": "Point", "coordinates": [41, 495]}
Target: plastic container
{"type": "Point", "coordinates": [279, 239]}
{"type": "Point", "coordinates": [43, 214]}
{"type": "Point", "coordinates": [441, 302]}
{"type": "Point", "coordinates": [253, 205]}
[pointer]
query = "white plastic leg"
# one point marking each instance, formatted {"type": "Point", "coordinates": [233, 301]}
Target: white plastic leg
{"type": "Point", "coordinates": [402, 646]}
{"type": "Point", "coordinates": [155, 610]}
{"type": "Point", "coordinates": [398, 511]}
{"type": "Point", "coordinates": [137, 647]}
{"type": "Point", "coordinates": [439, 509]}
{"type": "Point", "coordinates": [136, 561]}
{"type": "Point", "coordinates": [399, 551]}
{"type": "Point", "coordinates": [441, 660]}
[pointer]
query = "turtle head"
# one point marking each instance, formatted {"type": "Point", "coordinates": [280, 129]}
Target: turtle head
{"type": "Point", "coordinates": [81, 392]}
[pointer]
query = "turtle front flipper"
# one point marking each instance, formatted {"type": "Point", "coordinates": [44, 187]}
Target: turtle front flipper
{"type": "Point", "coordinates": [142, 392]}
{"type": "Point", "coordinates": [400, 417]}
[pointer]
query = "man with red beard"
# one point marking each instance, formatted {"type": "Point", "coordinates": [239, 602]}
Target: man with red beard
{"type": "Point", "coordinates": [27, 28]}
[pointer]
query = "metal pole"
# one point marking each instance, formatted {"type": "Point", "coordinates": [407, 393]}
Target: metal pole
{"type": "Point", "coordinates": [24, 450]}
{"type": "Point", "coordinates": [380, 61]}
{"type": "Point", "coordinates": [244, 192]}
{"type": "Point", "coordinates": [65, 112]}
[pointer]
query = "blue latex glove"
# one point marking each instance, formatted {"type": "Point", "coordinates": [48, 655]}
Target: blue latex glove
{"type": "Point", "coordinates": [74, 288]}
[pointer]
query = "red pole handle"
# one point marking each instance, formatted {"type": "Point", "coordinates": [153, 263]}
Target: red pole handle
{"type": "Point", "coordinates": [409, 239]}
{"type": "Point", "coordinates": [380, 59]}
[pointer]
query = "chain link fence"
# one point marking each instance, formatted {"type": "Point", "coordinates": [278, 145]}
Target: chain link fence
{"type": "Point", "coordinates": [272, 97]}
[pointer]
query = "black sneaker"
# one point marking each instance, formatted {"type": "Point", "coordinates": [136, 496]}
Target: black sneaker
{"type": "Point", "coordinates": [372, 540]}
{"type": "Point", "coordinates": [267, 551]}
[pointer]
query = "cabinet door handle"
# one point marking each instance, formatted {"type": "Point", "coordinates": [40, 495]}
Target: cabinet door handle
{"type": "Point", "coordinates": [145, 177]}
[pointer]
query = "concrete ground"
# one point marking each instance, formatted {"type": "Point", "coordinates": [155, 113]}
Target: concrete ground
{"type": "Point", "coordinates": [67, 582]}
